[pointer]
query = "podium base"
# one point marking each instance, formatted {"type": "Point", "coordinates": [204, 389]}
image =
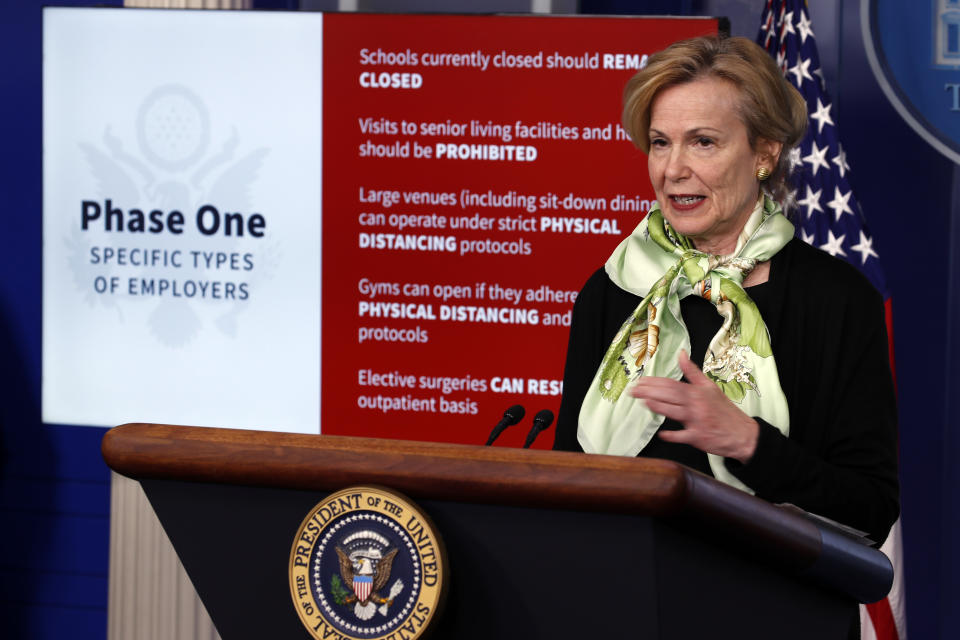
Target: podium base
{"type": "Point", "coordinates": [514, 572]}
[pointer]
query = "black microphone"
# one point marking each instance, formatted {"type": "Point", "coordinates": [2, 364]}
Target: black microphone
{"type": "Point", "coordinates": [541, 422]}
{"type": "Point", "coordinates": [511, 416]}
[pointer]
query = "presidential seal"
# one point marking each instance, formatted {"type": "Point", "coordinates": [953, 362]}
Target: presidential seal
{"type": "Point", "coordinates": [366, 564]}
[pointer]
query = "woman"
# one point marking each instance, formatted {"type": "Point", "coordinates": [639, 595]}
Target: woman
{"type": "Point", "coordinates": [786, 392]}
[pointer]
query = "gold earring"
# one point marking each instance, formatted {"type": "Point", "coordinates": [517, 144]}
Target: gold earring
{"type": "Point", "coordinates": [763, 173]}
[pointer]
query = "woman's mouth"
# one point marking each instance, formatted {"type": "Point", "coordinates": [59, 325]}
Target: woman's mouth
{"type": "Point", "coordinates": [686, 201]}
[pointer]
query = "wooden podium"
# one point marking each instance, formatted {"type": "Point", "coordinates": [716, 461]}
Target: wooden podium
{"type": "Point", "coordinates": [540, 544]}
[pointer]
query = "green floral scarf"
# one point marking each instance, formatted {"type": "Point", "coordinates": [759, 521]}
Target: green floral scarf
{"type": "Point", "coordinates": [739, 359]}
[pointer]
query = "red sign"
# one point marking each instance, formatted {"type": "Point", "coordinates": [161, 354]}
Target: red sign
{"type": "Point", "coordinates": [475, 174]}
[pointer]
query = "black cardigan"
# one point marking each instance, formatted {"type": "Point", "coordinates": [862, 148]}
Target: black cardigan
{"type": "Point", "coordinates": [840, 460]}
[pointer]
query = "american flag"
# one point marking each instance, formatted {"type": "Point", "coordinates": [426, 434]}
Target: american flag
{"type": "Point", "coordinates": [828, 216]}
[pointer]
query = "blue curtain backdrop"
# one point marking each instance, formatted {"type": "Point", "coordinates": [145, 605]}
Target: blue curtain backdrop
{"type": "Point", "coordinates": [54, 487]}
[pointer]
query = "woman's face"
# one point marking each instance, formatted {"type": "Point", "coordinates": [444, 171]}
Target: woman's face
{"type": "Point", "coordinates": [701, 164]}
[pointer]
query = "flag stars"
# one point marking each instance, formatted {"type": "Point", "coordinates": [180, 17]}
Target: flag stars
{"type": "Point", "coordinates": [790, 200]}
{"type": "Point", "coordinates": [787, 24]}
{"type": "Point", "coordinates": [785, 35]}
{"type": "Point", "coordinates": [841, 161]}
{"type": "Point", "coordinates": [817, 158]}
{"type": "Point", "coordinates": [864, 248]}
{"type": "Point", "coordinates": [805, 27]}
{"type": "Point", "coordinates": [794, 158]}
{"type": "Point", "coordinates": [801, 71]}
{"type": "Point", "coordinates": [823, 81]}
{"type": "Point", "coordinates": [840, 203]}
{"type": "Point", "coordinates": [834, 245]}
{"type": "Point", "coordinates": [821, 115]}
{"type": "Point", "coordinates": [768, 29]}
{"type": "Point", "coordinates": [811, 201]}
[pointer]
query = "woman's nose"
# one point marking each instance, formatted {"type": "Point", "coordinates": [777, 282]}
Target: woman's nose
{"type": "Point", "coordinates": [677, 167]}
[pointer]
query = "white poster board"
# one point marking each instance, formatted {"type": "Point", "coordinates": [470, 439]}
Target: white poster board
{"type": "Point", "coordinates": [182, 204]}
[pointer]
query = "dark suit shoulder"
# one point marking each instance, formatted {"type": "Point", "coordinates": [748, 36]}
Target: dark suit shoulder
{"type": "Point", "coordinates": [831, 277]}
{"type": "Point", "coordinates": [595, 287]}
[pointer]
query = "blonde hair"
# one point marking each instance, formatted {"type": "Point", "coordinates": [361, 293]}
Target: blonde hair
{"type": "Point", "coordinates": [769, 106]}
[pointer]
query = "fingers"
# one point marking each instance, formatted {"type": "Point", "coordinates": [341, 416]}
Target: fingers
{"type": "Point", "coordinates": [670, 398]}
{"type": "Point", "coordinates": [732, 435]}
{"type": "Point", "coordinates": [691, 371]}
{"type": "Point", "coordinates": [656, 386]}
{"type": "Point", "coordinates": [680, 436]}
{"type": "Point", "coordinates": [678, 412]}
{"type": "Point", "coordinates": [676, 399]}
{"type": "Point", "coordinates": [660, 389]}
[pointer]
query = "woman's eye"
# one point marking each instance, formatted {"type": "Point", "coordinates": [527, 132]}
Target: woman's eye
{"type": "Point", "coordinates": [658, 142]}
{"type": "Point", "coordinates": [705, 142]}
